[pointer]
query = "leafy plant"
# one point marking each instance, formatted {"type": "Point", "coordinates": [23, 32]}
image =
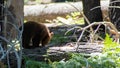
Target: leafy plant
{"type": "Point", "coordinates": [35, 64]}
{"type": "Point", "coordinates": [109, 44]}
{"type": "Point", "coordinates": [71, 19]}
{"type": "Point", "coordinates": [109, 58]}
{"type": "Point", "coordinates": [58, 38]}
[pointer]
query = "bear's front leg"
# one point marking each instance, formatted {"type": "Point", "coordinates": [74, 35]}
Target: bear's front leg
{"type": "Point", "coordinates": [36, 41]}
{"type": "Point", "coordinates": [26, 42]}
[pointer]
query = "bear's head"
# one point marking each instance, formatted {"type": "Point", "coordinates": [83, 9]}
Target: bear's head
{"type": "Point", "coordinates": [47, 39]}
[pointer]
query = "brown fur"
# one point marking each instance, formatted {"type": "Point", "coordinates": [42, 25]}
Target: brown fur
{"type": "Point", "coordinates": [37, 33]}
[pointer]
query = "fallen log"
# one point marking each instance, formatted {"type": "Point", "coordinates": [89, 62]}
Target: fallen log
{"type": "Point", "coordinates": [58, 53]}
{"type": "Point", "coordinates": [43, 12]}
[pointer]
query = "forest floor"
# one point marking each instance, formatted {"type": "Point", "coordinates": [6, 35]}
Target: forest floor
{"type": "Point", "coordinates": [62, 44]}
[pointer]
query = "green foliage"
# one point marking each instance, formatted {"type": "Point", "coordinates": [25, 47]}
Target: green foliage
{"type": "Point", "coordinates": [35, 64]}
{"type": "Point", "coordinates": [59, 38]}
{"type": "Point", "coordinates": [112, 51]}
{"type": "Point", "coordinates": [109, 58]}
{"type": "Point", "coordinates": [75, 17]}
{"type": "Point", "coordinates": [71, 19]}
{"type": "Point", "coordinates": [76, 61]}
{"type": "Point", "coordinates": [37, 1]}
{"type": "Point", "coordinates": [25, 1]}
{"type": "Point", "coordinates": [110, 46]}
{"type": "Point", "coordinates": [97, 61]}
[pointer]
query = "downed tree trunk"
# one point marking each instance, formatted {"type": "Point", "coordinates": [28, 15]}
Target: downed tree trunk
{"type": "Point", "coordinates": [42, 12]}
{"type": "Point", "coordinates": [58, 53]}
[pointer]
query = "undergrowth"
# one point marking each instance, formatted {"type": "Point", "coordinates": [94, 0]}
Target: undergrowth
{"type": "Point", "coordinates": [109, 58]}
{"type": "Point", "coordinates": [58, 39]}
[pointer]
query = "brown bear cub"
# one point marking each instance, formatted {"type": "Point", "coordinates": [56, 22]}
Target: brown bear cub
{"type": "Point", "coordinates": [37, 33]}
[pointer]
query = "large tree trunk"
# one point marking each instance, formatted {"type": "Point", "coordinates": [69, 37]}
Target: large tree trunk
{"type": "Point", "coordinates": [115, 13]}
{"type": "Point", "coordinates": [1, 15]}
{"type": "Point", "coordinates": [93, 14]}
{"type": "Point", "coordinates": [13, 19]}
{"type": "Point", "coordinates": [1, 18]}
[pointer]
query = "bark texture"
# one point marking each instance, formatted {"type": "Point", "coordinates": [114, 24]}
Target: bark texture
{"type": "Point", "coordinates": [93, 15]}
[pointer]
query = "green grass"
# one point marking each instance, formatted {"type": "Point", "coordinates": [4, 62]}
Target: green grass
{"type": "Point", "coordinates": [59, 38]}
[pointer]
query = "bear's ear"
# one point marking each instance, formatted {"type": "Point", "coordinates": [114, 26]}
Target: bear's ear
{"type": "Point", "coordinates": [51, 33]}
